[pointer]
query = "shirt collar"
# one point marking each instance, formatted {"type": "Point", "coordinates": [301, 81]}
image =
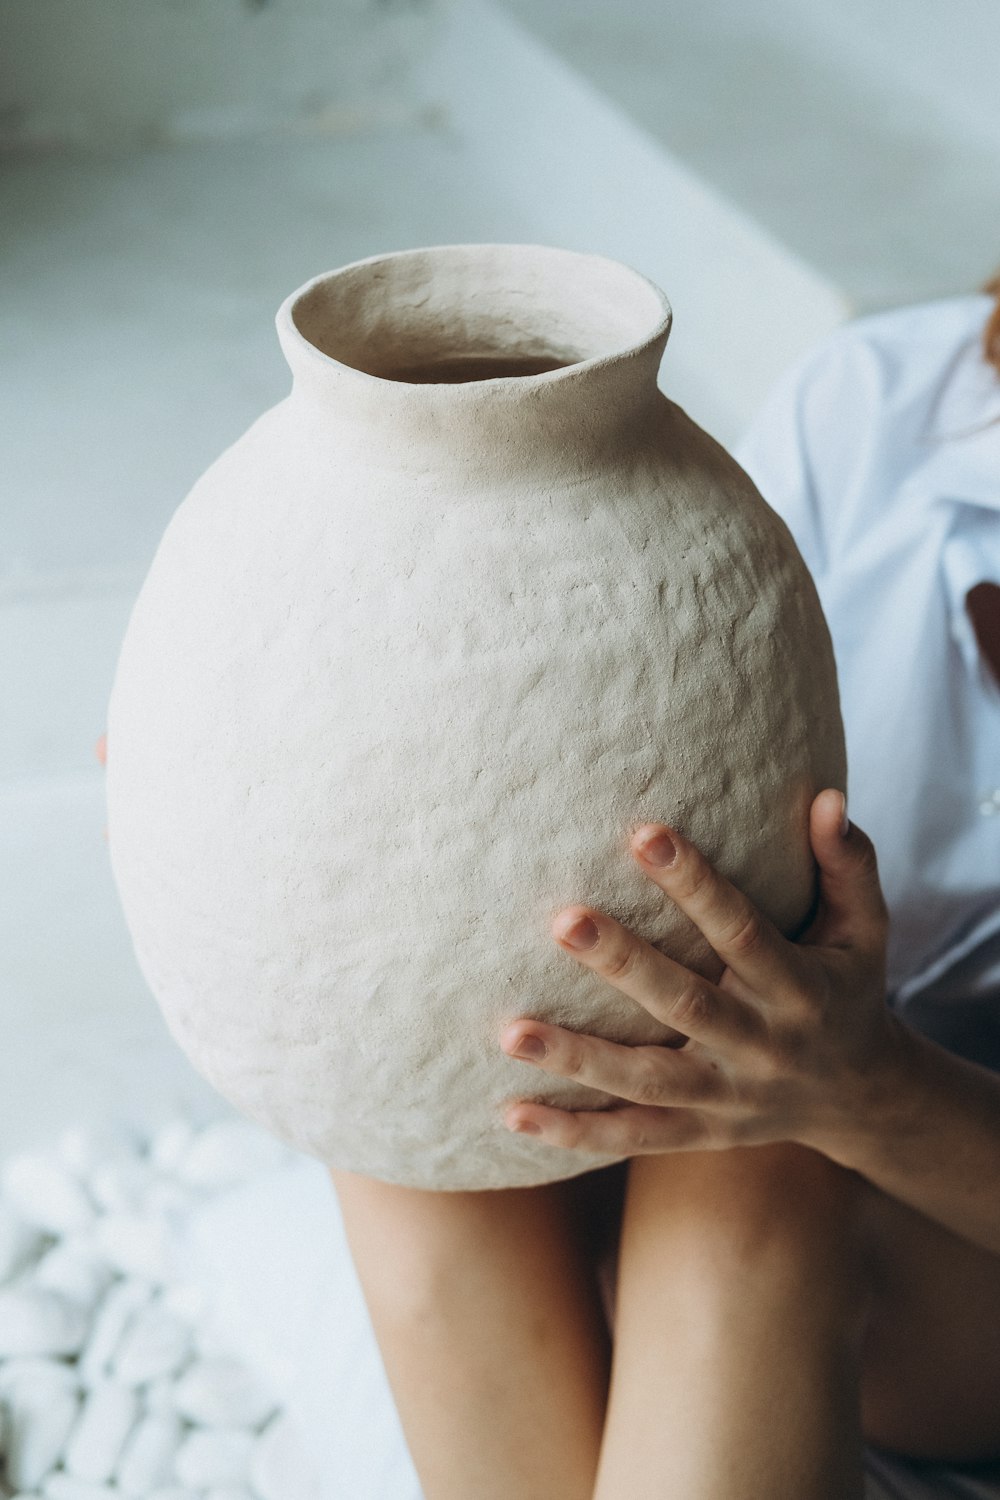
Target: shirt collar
{"type": "Point", "coordinates": [963, 461]}
{"type": "Point", "coordinates": [971, 553]}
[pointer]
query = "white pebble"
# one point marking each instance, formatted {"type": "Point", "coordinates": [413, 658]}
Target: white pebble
{"type": "Point", "coordinates": [120, 1186]}
{"type": "Point", "coordinates": [33, 1373]}
{"type": "Point", "coordinates": [169, 1144]}
{"type": "Point", "coordinates": [213, 1336]}
{"type": "Point", "coordinates": [137, 1245]}
{"type": "Point", "coordinates": [76, 1269]}
{"type": "Point", "coordinates": [20, 1243]}
{"type": "Point", "coordinates": [36, 1321]}
{"type": "Point", "coordinates": [60, 1486]}
{"type": "Point", "coordinates": [223, 1393]}
{"type": "Point", "coordinates": [42, 1191]}
{"type": "Point", "coordinates": [155, 1343]}
{"type": "Point", "coordinates": [219, 1457]}
{"type": "Point", "coordinates": [167, 1198]}
{"type": "Point", "coordinates": [108, 1416]}
{"type": "Point", "coordinates": [120, 1303]}
{"type": "Point", "coordinates": [147, 1459]}
{"type": "Point", "coordinates": [82, 1148]}
{"type": "Point", "coordinates": [188, 1300]}
{"type": "Point", "coordinates": [158, 1396]}
{"type": "Point", "coordinates": [227, 1152]}
{"type": "Point", "coordinates": [280, 1468]}
{"type": "Point", "coordinates": [39, 1422]}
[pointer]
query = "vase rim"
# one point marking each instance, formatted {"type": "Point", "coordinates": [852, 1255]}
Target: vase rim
{"type": "Point", "coordinates": [552, 282]}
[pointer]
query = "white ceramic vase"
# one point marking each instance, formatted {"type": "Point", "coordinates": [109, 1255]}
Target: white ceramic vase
{"type": "Point", "coordinates": [412, 659]}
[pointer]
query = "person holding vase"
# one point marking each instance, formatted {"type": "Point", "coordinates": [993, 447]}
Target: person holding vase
{"type": "Point", "coordinates": [789, 1289]}
{"type": "Point", "coordinates": [804, 1244]}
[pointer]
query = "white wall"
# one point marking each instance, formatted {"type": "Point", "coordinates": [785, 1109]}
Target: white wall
{"type": "Point", "coordinates": [125, 72]}
{"type": "Point", "coordinates": [583, 174]}
{"type": "Point", "coordinates": [947, 51]}
{"type": "Point", "coordinates": [863, 134]}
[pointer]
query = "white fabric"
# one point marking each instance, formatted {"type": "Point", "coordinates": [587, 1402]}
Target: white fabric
{"type": "Point", "coordinates": [881, 450]}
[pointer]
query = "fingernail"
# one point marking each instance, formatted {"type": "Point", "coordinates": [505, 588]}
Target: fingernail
{"type": "Point", "coordinates": [530, 1047]}
{"type": "Point", "coordinates": [845, 822]}
{"type": "Point", "coordinates": [525, 1127]}
{"type": "Point", "coordinates": [658, 849]}
{"type": "Point", "coordinates": [582, 934]}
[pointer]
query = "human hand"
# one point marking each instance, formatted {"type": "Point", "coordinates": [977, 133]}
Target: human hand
{"type": "Point", "coordinates": [781, 1048]}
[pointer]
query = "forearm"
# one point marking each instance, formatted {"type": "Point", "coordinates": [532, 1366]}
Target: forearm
{"type": "Point", "coordinates": [926, 1130]}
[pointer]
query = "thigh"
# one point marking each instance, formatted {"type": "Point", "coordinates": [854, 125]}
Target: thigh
{"type": "Point", "coordinates": [931, 1366]}
{"type": "Point", "coordinates": [485, 1308]}
{"type": "Point", "coordinates": [425, 1256]}
{"type": "Point", "coordinates": [724, 1202]}
{"type": "Point", "coordinates": [931, 1352]}
{"type": "Point", "coordinates": [737, 1330]}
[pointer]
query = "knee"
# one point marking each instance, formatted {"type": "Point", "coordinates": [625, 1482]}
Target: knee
{"type": "Point", "coordinates": [810, 1217]}
{"type": "Point", "coordinates": [780, 1212]}
{"type": "Point", "coordinates": [750, 1199]}
{"type": "Point", "coordinates": [432, 1261]}
{"type": "Point", "coordinates": [407, 1262]}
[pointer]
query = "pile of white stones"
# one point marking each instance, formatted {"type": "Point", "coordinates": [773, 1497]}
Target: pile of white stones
{"type": "Point", "coordinates": [116, 1380]}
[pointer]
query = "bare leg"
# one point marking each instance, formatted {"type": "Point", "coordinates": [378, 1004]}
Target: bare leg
{"type": "Point", "coordinates": [738, 1328]}
{"type": "Point", "coordinates": [488, 1318]}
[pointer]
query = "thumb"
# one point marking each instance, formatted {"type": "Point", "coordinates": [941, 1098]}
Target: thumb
{"type": "Point", "coordinates": [852, 908]}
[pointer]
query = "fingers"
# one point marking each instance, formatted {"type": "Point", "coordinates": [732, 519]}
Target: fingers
{"type": "Point", "coordinates": [853, 910]}
{"type": "Point", "coordinates": [671, 993]}
{"type": "Point", "coordinates": [746, 941]}
{"type": "Point", "coordinates": [644, 1075]}
{"type": "Point", "coordinates": [632, 1130]}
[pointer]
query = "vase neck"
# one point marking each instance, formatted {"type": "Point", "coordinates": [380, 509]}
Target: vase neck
{"type": "Point", "coordinates": [451, 355]}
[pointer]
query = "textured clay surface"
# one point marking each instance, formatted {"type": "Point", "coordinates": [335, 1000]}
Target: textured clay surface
{"type": "Point", "coordinates": [411, 661]}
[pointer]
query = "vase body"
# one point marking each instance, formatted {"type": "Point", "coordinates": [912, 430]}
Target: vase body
{"type": "Point", "coordinates": [412, 659]}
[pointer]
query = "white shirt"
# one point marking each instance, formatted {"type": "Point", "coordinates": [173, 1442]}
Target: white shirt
{"type": "Point", "coordinates": [881, 451]}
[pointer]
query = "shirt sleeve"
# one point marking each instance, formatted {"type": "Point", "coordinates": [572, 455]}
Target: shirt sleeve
{"type": "Point", "coordinates": [782, 452]}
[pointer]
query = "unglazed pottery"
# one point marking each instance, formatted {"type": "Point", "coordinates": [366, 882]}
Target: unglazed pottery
{"type": "Point", "coordinates": [413, 658]}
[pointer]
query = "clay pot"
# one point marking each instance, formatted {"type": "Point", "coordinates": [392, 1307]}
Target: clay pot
{"type": "Point", "coordinates": [412, 659]}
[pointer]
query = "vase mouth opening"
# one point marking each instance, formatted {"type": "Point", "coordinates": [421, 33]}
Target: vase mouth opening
{"type": "Point", "coordinates": [469, 314]}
